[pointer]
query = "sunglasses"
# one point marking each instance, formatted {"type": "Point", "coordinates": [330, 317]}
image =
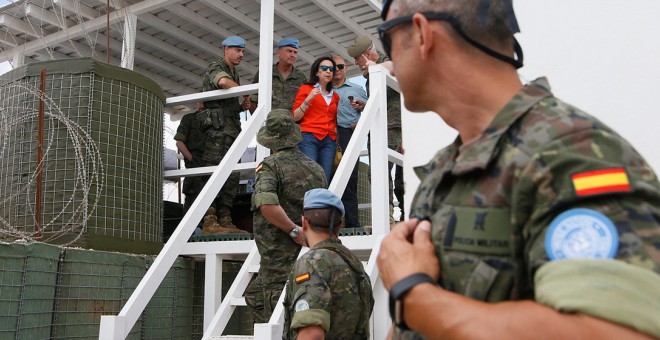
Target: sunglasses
{"type": "Point", "coordinates": [341, 66]}
{"type": "Point", "coordinates": [387, 26]}
{"type": "Point", "coordinates": [327, 68]}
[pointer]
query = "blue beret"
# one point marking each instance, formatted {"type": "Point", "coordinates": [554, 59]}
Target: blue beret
{"type": "Point", "coordinates": [322, 198]}
{"type": "Point", "coordinates": [234, 41]}
{"type": "Point", "coordinates": [293, 42]}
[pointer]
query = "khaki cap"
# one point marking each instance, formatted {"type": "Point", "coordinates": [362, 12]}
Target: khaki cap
{"type": "Point", "coordinates": [359, 46]}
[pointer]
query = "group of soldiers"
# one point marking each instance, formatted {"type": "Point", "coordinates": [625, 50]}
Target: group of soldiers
{"type": "Point", "coordinates": [291, 207]}
{"type": "Point", "coordinates": [539, 221]}
{"type": "Point", "coordinates": [205, 137]}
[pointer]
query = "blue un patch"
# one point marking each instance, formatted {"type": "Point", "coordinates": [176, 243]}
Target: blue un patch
{"type": "Point", "coordinates": [581, 234]}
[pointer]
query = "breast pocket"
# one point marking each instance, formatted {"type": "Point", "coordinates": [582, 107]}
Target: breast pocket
{"type": "Point", "coordinates": [476, 250]}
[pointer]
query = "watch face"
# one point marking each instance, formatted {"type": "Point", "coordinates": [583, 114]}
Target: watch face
{"type": "Point", "coordinates": [294, 232]}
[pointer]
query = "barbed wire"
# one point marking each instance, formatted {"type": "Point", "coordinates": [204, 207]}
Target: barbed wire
{"type": "Point", "coordinates": [87, 184]}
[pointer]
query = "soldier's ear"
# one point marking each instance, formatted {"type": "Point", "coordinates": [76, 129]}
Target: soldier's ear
{"type": "Point", "coordinates": [305, 224]}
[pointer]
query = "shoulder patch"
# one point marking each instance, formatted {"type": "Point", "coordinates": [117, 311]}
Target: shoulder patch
{"type": "Point", "coordinates": [258, 167]}
{"type": "Point", "coordinates": [302, 305]}
{"type": "Point", "coordinates": [602, 181]}
{"type": "Point", "coordinates": [581, 234]}
{"type": "Point", "coordinates": [302, 278]}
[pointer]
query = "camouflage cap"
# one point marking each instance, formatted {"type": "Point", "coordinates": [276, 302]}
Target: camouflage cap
{"type": "Point", "coordinates": [280, 131]}
{"type": "Point", "coordinates": [359, 46]}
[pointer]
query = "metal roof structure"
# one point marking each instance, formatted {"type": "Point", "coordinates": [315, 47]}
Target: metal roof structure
{"type": "Point", "coordinates": [175, 40]}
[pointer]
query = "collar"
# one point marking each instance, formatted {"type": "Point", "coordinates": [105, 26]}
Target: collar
{"type": "Point", "coordinates": [479, 153]}
{"type": "Point", "coordinates": [346, 83]}
{"type": "Point", "coordinates": [328, 240]}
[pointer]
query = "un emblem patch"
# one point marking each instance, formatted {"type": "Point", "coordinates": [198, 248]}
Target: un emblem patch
{"type": "Point", "coordinates": [581, 234]}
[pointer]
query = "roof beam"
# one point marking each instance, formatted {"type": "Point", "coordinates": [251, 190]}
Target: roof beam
{"type": "Point", "coordinates": [44, 15]}
{"type": "Point", "coordinates": [343, 19]}
{"type": "Point", "coordinates": [80, 29]}
{"type": "Point", "coordinates": [312, 31]}
{"type": "Point", "coordinates": [52, 19]}
{"type": "Point", "coordinates": [77, 7]}
{"type": "Point", "coordinates": [163, 25]}
{"type": "Point", "coordinates": [251, 24]}
{"type": "Point", "coordinates": [23, 27]}
{"type": "Point", "coordinates": [141, 36]}
{"type": "Point", "coordinates": [171, 50]}
{"type": "Point", "coordinates": [214, 28]}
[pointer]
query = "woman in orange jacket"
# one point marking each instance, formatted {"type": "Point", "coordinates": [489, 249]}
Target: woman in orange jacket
{"type": "Point", "coordinates": [315, 108]}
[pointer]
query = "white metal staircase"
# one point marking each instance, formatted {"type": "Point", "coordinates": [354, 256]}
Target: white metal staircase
{"type": "Point", "coordinates": [217, 311]}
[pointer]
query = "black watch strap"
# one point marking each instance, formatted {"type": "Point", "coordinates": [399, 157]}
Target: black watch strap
{"type": "Point", "coordinates": [399, 290]}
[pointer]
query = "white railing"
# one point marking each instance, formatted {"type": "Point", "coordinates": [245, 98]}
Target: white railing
{"type": "Point", "coordinates": [217, 311]}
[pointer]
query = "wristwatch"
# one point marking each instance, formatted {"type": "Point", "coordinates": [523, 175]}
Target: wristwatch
{"type": "Point", "coordinates": [399, 290]}
{"type": "Point", "coordinates": [294, 233]}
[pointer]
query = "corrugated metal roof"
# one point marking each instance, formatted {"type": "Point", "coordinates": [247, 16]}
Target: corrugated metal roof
{"type": "Point", "coordinates": [176, 40]}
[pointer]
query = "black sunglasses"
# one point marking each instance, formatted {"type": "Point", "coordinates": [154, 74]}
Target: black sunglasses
{"type": "Point", "coordinates": [385, 27]}
{"type": "Point", "coordinates": [341, 66]}
{"type": "Point", "coordinates": [327, 68]}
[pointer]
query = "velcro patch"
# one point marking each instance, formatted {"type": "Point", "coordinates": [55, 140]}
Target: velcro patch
{"type": "Point", "coordinates": [302, 278]}
{"type": "Point", "coordinates": [581, 234]}
{"type": "Point", "coordinates": [258, 168]}
{"type": "Point", "coordinates": [601, 182]}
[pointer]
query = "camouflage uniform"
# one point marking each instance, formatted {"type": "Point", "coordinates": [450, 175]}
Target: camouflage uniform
{"type": "Point", "coordinates": [393, 138]}
{"type": "Point", "coordinates": [282, 178]}
{"type": "Point", "coordinates": [328, 287]}
{"type": "Point", "coordinates": [284, 90]}
{"type": "Point", "coordinates": [222, 122]}
{"type": "Point", "coordinates": [189, 132]}
{"type": "Point", "coordinates": [491, 203]}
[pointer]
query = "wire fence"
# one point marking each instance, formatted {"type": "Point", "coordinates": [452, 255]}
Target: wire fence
{"type": "Point", "coordinates": [102, 166]}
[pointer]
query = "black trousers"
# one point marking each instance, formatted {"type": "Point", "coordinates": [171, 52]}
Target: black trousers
{"type": "Point", "coordinates": [350, 199]}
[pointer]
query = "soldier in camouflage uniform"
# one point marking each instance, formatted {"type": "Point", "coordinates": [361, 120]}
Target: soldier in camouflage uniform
{"type": "Point", "coordinates": [222, 123]}
{"type": "Point", "coordinates": [286, 78]}
{"type": "Point", "coordinates": [190, 140]}
{"type": "Point", "coordinates": [536, 203]}
{"type": "Point", "coordinates": [328, 294]}
{"type": "Point", "coordinates": [366, 55]}
{"type": "Point", "coordinates": [277, 203]}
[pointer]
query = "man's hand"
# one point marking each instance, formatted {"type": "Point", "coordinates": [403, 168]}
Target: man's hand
{"type": "Point", "coordinates": [358, 104]}
{"type": "Point", "coordinates": [407, 250]}
{"type": "Point", "coordinates": [246, 103]}
{"type": "Point", "coordinates": [301, 239]}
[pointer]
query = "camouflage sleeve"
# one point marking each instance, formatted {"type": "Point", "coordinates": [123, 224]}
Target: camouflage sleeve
{"type": "Point", "coordinates": [547, 187]}
{"type": "Point", "coordinates": [184, 129]}
{"type": "Point", "coordinates": [265, 186]}
{"type": "Point", "coordinates": [312, 298]}
{"type": "Point", "coordinates": [217, 73]}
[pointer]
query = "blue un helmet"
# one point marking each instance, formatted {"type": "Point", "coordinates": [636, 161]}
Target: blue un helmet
{"type": "Point", "coordinates": [323, 198]}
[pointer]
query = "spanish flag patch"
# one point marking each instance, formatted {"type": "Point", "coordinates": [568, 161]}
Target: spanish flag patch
{"type": "Point", "coordinates": [258, 168]}
{"type": "Point", "coordinates": [302, 278]}
{"type": "Point", "coordinates": [602, 181]}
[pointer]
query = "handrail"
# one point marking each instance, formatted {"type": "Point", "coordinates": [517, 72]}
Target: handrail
{"type": "Point", "coordinates": [212, 95]}
{"type": "Point", "coordinates": [131, 311]}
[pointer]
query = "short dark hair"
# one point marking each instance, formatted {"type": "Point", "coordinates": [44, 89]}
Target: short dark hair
{"type": "Point", "coordinates": [313, 78]}
{"type": "Point", "coordinates": [493, 30]}
{"type": "Point", "coordinates": [319, 218]}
